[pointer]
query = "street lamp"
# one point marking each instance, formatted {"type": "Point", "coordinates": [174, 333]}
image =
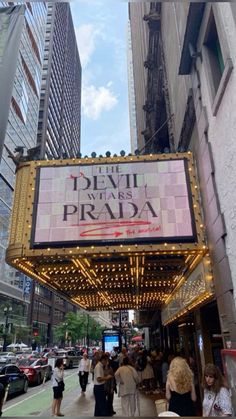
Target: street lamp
{"type": "Point", "coordinates": [6, 310]}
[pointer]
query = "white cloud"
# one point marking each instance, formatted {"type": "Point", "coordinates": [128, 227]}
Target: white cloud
{"type": "Point", "coordinates": [86, 36]}
{"type": "Point", "coordinates": [115, 138]}
{"type": "Point", "coordinates": [96, 100]}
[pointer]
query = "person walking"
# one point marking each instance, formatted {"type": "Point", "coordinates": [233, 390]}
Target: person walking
{"type": "Point", "coordinates": [127, 378]}
{"type": "Point", "coordinates": [101, 408]}
{"type": "Point", "coordinates": [180, 390]}
{"type": "Point", "coordinates": [83, 372]}
{"type": "Point", "coordinates": [58, 387]}
{"type": "Point", "coordinates": [217, 400]}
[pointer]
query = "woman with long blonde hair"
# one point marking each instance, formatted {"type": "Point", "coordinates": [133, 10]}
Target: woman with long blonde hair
{"type": "Point", "coordinates": [180, 390]}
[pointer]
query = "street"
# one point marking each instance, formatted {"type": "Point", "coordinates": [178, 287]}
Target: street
{"type": "Point", "coordinates": [38, 399]}
{"type": "Point", "coordinates": [37, 402]}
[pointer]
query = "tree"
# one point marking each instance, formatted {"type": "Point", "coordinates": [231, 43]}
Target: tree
{"type": "Point", "coordinates": [95, 330]}
{"type": "Point", "coordinates": [20, 333]}
{"type": "Point", "coordinates": [77, 327]}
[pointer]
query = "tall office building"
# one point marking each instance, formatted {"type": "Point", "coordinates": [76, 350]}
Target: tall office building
{"type": "Point", "coordinates": [58, 136]}
{"type": "Point", "coordinates": [44, 111]}
{"type": "Point", "coordinates": [139, 36]}
{"type": "Point", "coordinates": [21, 131]}
{"type": "Point", "coordinates": [60, 101]}
{"type": "Point", "coordinates": [132, 108]}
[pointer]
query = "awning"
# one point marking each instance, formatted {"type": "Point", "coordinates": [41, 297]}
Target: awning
{"type": "Point", "coordinates": [137, 338]}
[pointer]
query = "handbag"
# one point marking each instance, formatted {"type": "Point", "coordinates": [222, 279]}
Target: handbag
{"type": "Point", "coordinates": [61, 385]}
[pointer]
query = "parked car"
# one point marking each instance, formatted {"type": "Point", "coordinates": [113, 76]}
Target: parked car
{"type": "Point", "coordinates": [70, 358]}
{"type": "Point", "coordinates": [50, 354]}
{"type": "Point", "coordinates": [36, 369]}
{"type": "Point", "coordinates": [17, 380]}
{"type": "Point", "coordinates": [7, 358]}
{"type": "Point", "coordinates": [19, 355]}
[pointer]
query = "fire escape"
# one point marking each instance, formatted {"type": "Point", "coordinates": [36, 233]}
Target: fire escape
{"type": "Point", "coordinates": [158, 133]}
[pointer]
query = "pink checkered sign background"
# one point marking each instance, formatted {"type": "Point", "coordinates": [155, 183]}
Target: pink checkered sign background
{"type": "Point", "coordinates": [145, 200]}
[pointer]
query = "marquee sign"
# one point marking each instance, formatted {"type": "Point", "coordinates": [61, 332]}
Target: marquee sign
{"type": "Point", "coordinates": [108, 233]}
{"type": "Point", "coordinates": [121, 202]}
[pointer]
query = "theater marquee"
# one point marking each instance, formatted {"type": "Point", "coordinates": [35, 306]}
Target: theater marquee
{"type": "Point", "coordinates": [130, 201]}
{"type": "Point", "coordinates": [108, 233]}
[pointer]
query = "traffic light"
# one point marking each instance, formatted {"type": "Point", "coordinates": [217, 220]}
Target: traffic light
{"type": "Point", "coordinates": [35, 328]}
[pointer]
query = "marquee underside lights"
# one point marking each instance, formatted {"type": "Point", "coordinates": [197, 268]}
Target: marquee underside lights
{"type": "Point", "coordinates": [108, 233]}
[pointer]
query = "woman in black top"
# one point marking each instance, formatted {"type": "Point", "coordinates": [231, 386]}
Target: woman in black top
{"type": "Point", "coordinates": [180, 390]}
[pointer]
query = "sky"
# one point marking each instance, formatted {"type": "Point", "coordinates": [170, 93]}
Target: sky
{"type": "Point", "coordinates": [101, 32]}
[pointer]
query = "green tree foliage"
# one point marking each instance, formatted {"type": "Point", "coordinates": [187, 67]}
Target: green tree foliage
{"type": "Point", "coordinates": [94, 329]}
{"type": "Point", "coordinates": [20, 333]}
{"type": "Point", "coordinates": [76, 327]}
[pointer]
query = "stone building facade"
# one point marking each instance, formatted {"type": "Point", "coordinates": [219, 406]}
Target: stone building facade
{"type": "Point", "coordinates": [198, 43]}
{"type": "Point", "coordinates": [200, 66]}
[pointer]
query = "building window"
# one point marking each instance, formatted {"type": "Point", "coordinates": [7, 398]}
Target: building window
{"type": "Point", "coordinates": [216, 61]}
{"type": "Point", "coordinates": [59, 315]}
{"type": "Point", "coordinates": [29, 76]}
{"type": "Point", "coordinates": [6, 191]}
{"type": "Point", "coordinates": [37, 79]}
{"type": "Point", "coordinates": [216, 56]}
{"type": "Point", "coordinates": [28, 5]}
{"type": "Point", "coordinates": [24, 102]}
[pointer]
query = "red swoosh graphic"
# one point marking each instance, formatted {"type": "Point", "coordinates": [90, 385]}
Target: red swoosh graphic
{"type": "Point", "coordinates": [107, 226]}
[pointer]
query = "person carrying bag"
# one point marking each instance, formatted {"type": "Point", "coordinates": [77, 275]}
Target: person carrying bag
{"type": "Point", "coordinates": [58, 387]}
{"type": "Point", "coordinates": [217, 399]}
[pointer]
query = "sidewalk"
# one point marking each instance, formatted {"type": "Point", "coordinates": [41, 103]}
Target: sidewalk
{"type": "Point", "coordinates": [75, 404]}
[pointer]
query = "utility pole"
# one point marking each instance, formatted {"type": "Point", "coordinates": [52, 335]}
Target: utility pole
{"type": "Point", "coordinates": [87, 337]}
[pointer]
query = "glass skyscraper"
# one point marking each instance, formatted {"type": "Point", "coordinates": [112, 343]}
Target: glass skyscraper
{"type": "Point", "coordinates": [60, 102]}
{"type": "Point", "coordinates": [44, 111]}
{"type": "Point", "coordinates": [21, 132]}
